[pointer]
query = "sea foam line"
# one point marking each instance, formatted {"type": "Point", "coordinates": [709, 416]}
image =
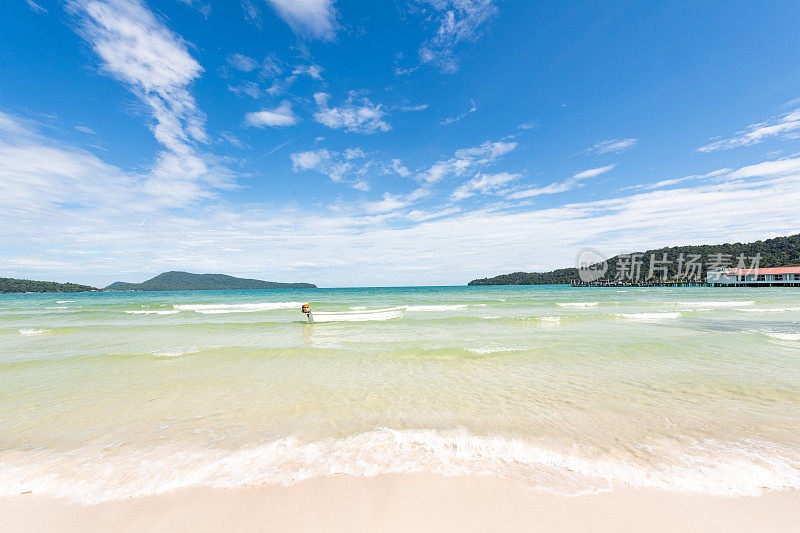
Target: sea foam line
{"type": "Point", "coordinates": [782, 336]}
{"type": "Point", "coordinates": [434, 307]}
{"type": "Point", "coordinates": [218, 309]}
{"type": "Point", "coordinates": [648, 317]}
{"type": "Point", "coordinates": [33, 331]}
{"type": "Point", "coordinates": [154, 312]}
{"type": "Point", "coordinates": [103, 473]}
{"type": "Point", "coordinates": [723, 303]}
{"type": "Point", "coordinates": [769, 309]}
{"type": "Point", "coordinates": [577, 304]}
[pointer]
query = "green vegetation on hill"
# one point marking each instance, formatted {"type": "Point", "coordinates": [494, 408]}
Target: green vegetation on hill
{"type": "Point", "coordinates": [777, 252]}
{"type": "Point", "coordinates": [186, 281]}
{"type": "Point", "coordinates": [9, 285]}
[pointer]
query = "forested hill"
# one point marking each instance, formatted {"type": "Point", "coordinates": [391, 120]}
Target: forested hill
{"type": "Point", "coordinates": [9, 285]}
{"type": "Point", "coordinates": [777, 252]}
{"type": "Point", "coordinates": [186, 281]}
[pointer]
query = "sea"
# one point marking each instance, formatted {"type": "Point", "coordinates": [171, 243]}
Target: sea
{"type": "Point", "coordinates": [105, 396]}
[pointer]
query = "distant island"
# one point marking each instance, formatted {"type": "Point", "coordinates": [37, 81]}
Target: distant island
{"type": "Point", "coordinates": [777, 252]}
{"type": "Point", "coordinates": [186, 281]}
{"type": "Point", "coordinates": [168, 281]}
{"type": "Point", "coordinates": [12, 285]}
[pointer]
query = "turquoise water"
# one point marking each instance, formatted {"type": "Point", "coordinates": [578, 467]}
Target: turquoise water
{"type": "Point", "coordinates": [569, 390]}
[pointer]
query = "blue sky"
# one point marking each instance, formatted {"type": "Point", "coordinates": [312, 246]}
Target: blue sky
{"type": "Point", "coordinates": [388, 143]}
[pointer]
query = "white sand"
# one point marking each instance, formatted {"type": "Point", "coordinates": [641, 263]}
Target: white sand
{"type": "Point", "coordinates": [405, 502]}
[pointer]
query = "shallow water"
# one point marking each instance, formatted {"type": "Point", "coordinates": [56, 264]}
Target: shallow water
{"type": "Point", "coordinates": [111, 395]}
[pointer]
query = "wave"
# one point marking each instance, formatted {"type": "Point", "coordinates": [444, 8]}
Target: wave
{"type": "Point", "coordinates": [219, 309]}
{"type": "Point", "coordinates": [576, 304]}
{"type": "Point", "coordinates": [484, 350]}
{"type": "Point", "coordinates": [723, 303]}
{"type": "Point", "coordinates": [769, 309]}
{"type": "Point", "coordinates": [549, 318]}
{"type": "Point", "coordinates": [154, 312]}
{"type": "Point", "coordinates": [103, 473]}
{"type": "Point", "coordinates": [648, 317]}
{"type": "Point", "coordinates": [33, 331]}
{"type": "Point", "coordinates": [58, 307]}
{"type": "Point", "coordinates": [66, 301]}
{"type": "Point", "coordinates": [782, 336]}
{"type": "Point", "coordinates": [175, 352]}
{"type": "Point", "coordinates": [359, 308]}
{"type": "Point", "coordinates": [434, 307]}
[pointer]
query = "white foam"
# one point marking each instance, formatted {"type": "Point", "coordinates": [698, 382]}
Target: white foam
{"type": "Point", "coordinates": [359, 307]}
{"type": "Point", "coordinates": [782, 336]}
{"type": "Point", "coordinates": [101, 473]}
{"type": "Point", "coordinates": [577, 304]}
{"type": "Point", "coordinates": [724, 303]}
{"type": "Point", "coordinates": [434, 307]}
{"type": "Point", "coordinates": [175, 352]}
{"type": "Point", "coordinates": [33, 331]}
{"type": "Point", "coordinates": [58, 307]}
{"type": "Point", "coordinates": [66, 301]}
{"type": "Point", "coordinates": [219, 309]}
{"type": "Point", "coordinates": [483, 350]}
{"type": "Point", "coordinates": [648, 317]}
{"type": "Point", "coordinates": [154, 312]}
{"type": "Point", "coordinates": [549, 318]}
{"type": "Point", "coordinates": [769, 309]}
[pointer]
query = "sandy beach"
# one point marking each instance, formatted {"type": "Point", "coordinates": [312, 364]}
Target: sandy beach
{"type": "Point", "coordinates": [406, 502]}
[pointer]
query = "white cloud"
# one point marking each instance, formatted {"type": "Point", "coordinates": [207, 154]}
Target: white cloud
{"type": "Point", "coordinates": [314, 19]}
{"type": "Point", "coordinates": [67, 214]}
{"type": "Point", "coordinates": [563, 186]}
{"type": "Point", "coordinates": [85, 129]}
{"type": "Point", "coordinates": [785, 126]}
{"type": "Point", "coordinates": [35, 7]}
{"type": "Point", "coordinates": [348, 166]}
{"type": "Point", "coordinates": [14, 126]}
{"type": "Point", "coordinates": [484, 184]}
{"type": "Point", "coordinates": [232, 139]}
{"type": "Point", "coordinates": [592, 172]}
{"type": "Point", "coordinates": [412, 108]}
{"type": "Point", "coordinates": [136, 48]}
{"type": "Point", "coordinates": [612, 146]}
{"type": "Point", "coordinates": [247, 88]}
{"type": "Point", "coordinates": [781, 167]}
{"type": "Point", "coordinates": [458, 21]}
{"type": "Point", "coordinates": [356, 116]}
{"type": "Point", "coordinates": [400, 168]}
{"type": "Point", "coordinates": [389, 202]}
{"type": "Point", "coordinates": [251, 12]}
{"type": "Point", "coordinates": [675, 181]}
{"type": "Point", "coordinates": [242, 62]}
{"type": "Point", "coordinates": [203, 8]}
{"type": "Point", "coordinates": [275, 118]}
{"type": "Point", "coordinates": [451, 120]}
{"type": "Point", "coordinates": [467, 159]}
{"type": "Point", "coordinates": [313, 71]}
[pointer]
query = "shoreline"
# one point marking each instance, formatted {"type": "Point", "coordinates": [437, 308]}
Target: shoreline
{"type": "Point", "coordinates": [406, 502]}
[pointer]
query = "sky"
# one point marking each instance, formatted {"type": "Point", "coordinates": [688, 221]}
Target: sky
{"type": "Point", "coordinates": [401, 142]}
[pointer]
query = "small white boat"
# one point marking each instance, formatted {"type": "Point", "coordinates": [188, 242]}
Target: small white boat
{"type": "Point", "coordinates": [354, 316]}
